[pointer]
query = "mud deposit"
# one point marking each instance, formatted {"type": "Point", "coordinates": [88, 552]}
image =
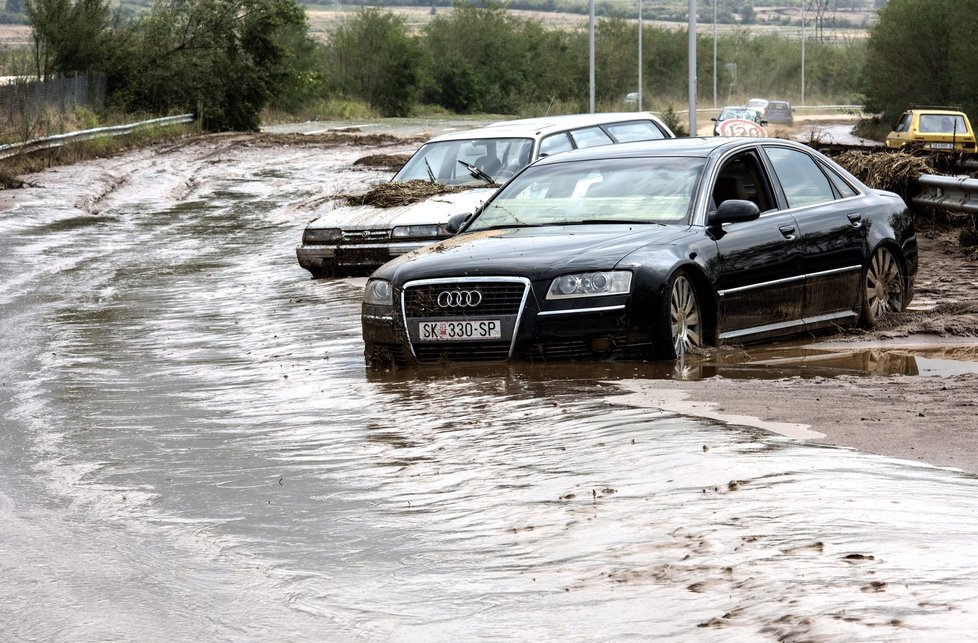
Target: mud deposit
{"type": "Point", "coordinates": [191, 448]}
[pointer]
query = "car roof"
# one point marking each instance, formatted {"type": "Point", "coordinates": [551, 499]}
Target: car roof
{"type": "Point", "coordinates": [700, 147]}
{"type": "Point", "coordinates": [541, 126]}
{"type": "Point", "coordinates": [924, 110]}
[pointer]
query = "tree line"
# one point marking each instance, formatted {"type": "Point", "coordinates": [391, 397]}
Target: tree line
{"type": "Point", "coordinates": [228, 60]}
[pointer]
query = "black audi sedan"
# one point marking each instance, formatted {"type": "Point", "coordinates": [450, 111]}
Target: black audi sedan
{"type": "Point", "coordinates": [648, 251]}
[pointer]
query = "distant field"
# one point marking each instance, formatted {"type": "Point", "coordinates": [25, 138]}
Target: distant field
{"type": "Point", "coordinates": [323, 21]}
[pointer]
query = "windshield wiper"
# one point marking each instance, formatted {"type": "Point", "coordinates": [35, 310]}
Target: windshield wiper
{"type": "Point", "coordinates": [477, 173]}
{"type": "Point", "coordinates": [431, 174]}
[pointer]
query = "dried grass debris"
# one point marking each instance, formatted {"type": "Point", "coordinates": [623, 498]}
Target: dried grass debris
{"type": "Point", "coordinates": [392, 162]}
{"type": "Point", "coordinates": [395, 193]}
{"type": "Point", "coordinates": [894, 171]}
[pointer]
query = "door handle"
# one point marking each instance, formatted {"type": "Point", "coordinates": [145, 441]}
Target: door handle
{"type": "Point", "coordinates": [855, 218]}
{"type": "Point", "coordinates": [787, 231]}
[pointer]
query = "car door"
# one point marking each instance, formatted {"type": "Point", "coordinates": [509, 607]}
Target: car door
{"type": "Point", "coordinates": [832, 232]}
{"type": "Point", "coordinates": [760, 283]}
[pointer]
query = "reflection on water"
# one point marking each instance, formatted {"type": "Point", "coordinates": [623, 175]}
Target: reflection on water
{"type": "Point", "coordinates": [793, 359]}
{"type": "Point", "coordinates": [195, 442]}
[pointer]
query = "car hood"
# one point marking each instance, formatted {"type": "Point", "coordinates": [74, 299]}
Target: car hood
{"type": "Point", "coordinates": [435, 209]}
{"type": "Point", "coordinates": [535, 252]}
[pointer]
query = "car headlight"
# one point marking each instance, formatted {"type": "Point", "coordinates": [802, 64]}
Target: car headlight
{"type": "Point", "coordinates": [431, 231]}
{"type": "Point", "coordinates": [591, 284]}
{"type": "Point", "coordinates": [321, 235]}
{"type": "Point", "coordinates": [378, 292]}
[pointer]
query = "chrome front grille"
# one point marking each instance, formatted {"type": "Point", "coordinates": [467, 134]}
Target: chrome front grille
{"type": "Point", "coordinates": [364, 236]}
{"type": "Point", "coordinates": [465, 299]}
{"type": "Point", "coordinates": [495, 298]}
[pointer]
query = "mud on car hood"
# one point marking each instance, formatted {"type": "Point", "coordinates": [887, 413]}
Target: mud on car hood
{"type": "Point", "coordinates": [533, 252]}
{"type": "Point", "coordinates": [435, 209]}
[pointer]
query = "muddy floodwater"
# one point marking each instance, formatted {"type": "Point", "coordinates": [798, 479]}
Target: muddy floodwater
{"type": "Point", "coordinates": [191, 449]}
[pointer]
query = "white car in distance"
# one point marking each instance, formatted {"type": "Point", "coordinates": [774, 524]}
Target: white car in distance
{"type": "Point", "coordinates": [349, 240]}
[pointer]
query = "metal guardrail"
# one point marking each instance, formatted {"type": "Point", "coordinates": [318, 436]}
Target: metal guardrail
{"type": "Point", "coordinates": [951, 193]}
{"type": "Point", "coordinates": [47, 142]}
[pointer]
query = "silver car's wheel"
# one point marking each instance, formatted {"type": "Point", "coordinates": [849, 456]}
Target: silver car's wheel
{"type": "Point", "coordinates": [884, 287]}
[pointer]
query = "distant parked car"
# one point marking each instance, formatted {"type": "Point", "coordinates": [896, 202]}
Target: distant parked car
{"type": "Point", "coordinates": [760, 104]}
{"type": "Point", "coordinates": [648, 250]}
{"type": "Point", "coordinates": [357, 239]}
{"type": "Point", "coordinates": [780, 112]}
{"type": "Point", "coordinates": [742, 113]}
{"type": "Point", "coordinates": [934, 130]}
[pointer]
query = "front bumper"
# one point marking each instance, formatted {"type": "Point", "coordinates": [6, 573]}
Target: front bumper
{"type": "Point", "coordinates": [600, 333]}
{"type": "Point", "coordinates": [353, 256]}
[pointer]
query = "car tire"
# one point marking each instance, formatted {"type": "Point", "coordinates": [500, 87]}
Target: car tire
{"type": "Point", "coordinates": [884, 288]}
{"type": "Point", "coordinates": [678, 326]}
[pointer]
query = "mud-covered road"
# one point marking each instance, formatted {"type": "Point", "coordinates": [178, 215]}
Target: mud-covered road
{"type": "Point", "coordinates": [191, 448]}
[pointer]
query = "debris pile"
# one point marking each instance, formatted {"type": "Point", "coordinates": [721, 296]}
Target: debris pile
{"type": "Point", "coordinates": [893, 171]}
{"type": "Point", "coordinates": [392, 162]}
{"type": "Point", "coordinates": [395, 193]}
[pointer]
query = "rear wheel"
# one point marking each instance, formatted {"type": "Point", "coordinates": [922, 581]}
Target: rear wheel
{"type": "Point", "coordinates": [884, 287]}
{"type": "Point", "coordinates": [678, 326]}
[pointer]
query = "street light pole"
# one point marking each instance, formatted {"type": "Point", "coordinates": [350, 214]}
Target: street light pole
{"type": "Point", "coordinates": [714, 54]}
{"type": "Point", "coordinates": [590, 38]}
{"type": "Point", "coordinates": [639, 55]}
{"type": "Point", "coordinates": [692, 67]}
{"type": "Point", "coordinates": [802, 52]}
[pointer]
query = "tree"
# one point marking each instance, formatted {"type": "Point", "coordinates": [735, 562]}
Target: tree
{"type": "Point", "coordinates": [373, 58]}
{"type": "Point", "coordinates": [922, 51]}
{"type": "Point", "coordinates": [69, 35]}
{"type": "Point", "coordinates": [225, 59]}
{"type": "Point", "coordinates": [486, 60]}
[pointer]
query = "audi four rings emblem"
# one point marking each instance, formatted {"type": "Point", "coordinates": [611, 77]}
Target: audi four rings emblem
{"type": "Point", "coordinates": [459, 298]}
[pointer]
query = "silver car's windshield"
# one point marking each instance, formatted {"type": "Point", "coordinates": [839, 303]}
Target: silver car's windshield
{"type": "Point", "coordinates": [468, 161]}
{"type": "Point", "coordinates": [634, 190]}
{"type": "Point", "coordinates": [738, 112]}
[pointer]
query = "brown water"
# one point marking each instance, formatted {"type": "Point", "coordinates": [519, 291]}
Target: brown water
{"type": "Point", "coordinates": [191, 448]}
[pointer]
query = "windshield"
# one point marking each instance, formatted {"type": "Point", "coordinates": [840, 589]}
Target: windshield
{"type": "Point", "coordinates": [642, 190]}
{"type": "Point", "coordinates": [942, 124]}
{"type": "Point", "coordinates": [737, 112]}
{"type": "Point", "coordinates": [464, 162]}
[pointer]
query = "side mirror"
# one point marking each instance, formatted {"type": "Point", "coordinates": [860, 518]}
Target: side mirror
{"type": "Point", "coordinates": [456, 222]}
{"type": "Point", "coordinates": [733, 211]}
{"type": "Point", "coordinates": [714, 120]}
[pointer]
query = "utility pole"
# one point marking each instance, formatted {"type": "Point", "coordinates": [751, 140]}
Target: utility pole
{"type": "Point", "coordinates": [714, 54]}
{"type": "Point", "coordinates": [639, 55]}
{"type": "Point", "coordinates": [802, 52]}
{"type": "Point", "coordinates": [590, 39]}
{"type": "Point", "coordinates": [692, 67]}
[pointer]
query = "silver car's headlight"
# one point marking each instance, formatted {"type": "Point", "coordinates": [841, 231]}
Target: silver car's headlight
{"type": "Point", "coordinates": [378, 292]}
{"type": "Point", "coordinates": [321, 235]}
{"type": "Point", "coordinates": [432, 231]}
{"type": "Point", "coordinates": [591, 284]}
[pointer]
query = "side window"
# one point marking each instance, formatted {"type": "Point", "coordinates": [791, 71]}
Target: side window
{"type": "Point", "coordinates": [840, 183]}
{"type": "Point", "coordinates": [590, 136]}
{"type": "Point", "coordinates": [800, 177]}
{"type": "Point", "coordinates": [904, 123]}
{"type": "Point", "coordinates": [555, 143]}
{"type": "Point", "coordinates": [634, 131]}
{"type": "Point", "coordinates": [742, 178]}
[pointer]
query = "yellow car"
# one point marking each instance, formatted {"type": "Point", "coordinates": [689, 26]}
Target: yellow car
{"type": "Point", "coordinates": [934, 130]}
